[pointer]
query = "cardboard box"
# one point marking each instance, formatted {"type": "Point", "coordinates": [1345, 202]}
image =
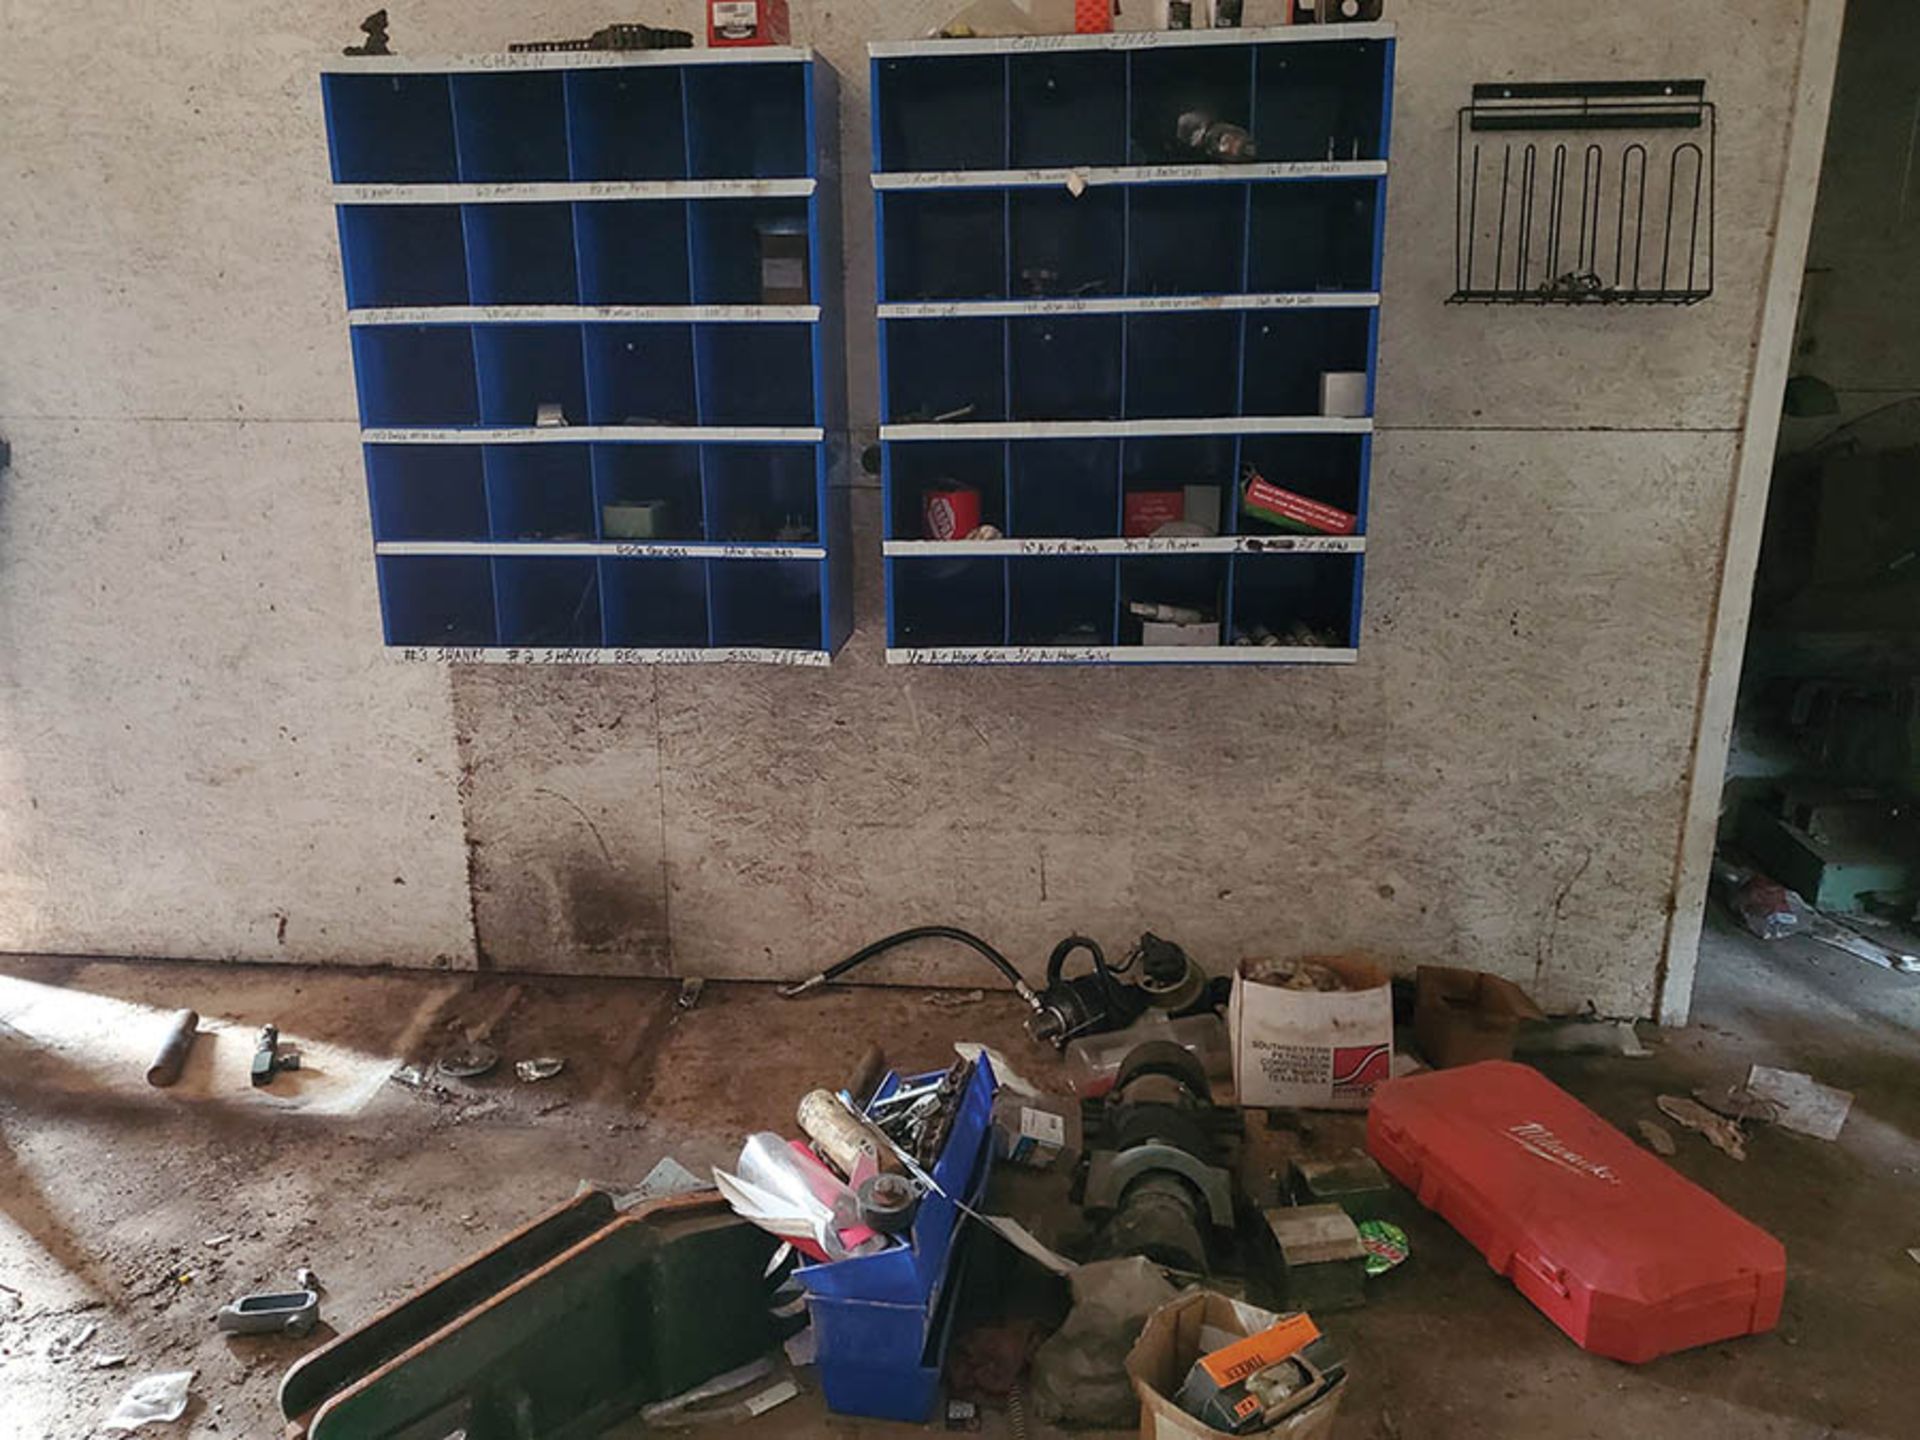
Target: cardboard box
{"type": "Point", "coordinates": [1145, 511]}
{"type": "Point", "coordinates": [1041, 1131]}
{"type": "Point", "coordinates": [1312, 1049]}
{"type": "Point", "coordinates": [1264, 500]}
{"type": "Point", "coordinates": [1462, 1016]}
{"type": "Point", "coordinates": [1343, 392]}
{"type": "Point", "coordinates": [748, 22]}
{"type": "Point", "coordinates": [1178, 1334]}
{"type": "Point", "coordinates": [1171, 632]}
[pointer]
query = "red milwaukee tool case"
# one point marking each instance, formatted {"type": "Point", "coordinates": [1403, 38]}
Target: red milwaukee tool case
{"type": "Point", "coordinates": [1631, 1259]}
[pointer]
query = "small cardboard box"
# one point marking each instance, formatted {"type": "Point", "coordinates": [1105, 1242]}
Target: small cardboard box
{"type": "Point", "coordinates": [1039, 1131]}
{"type": "Point", "coordinates": [1464, 1016]}
{"type": "Point", "coordinates": [1313, 1049]}
{"type": "Point", "coordinates": [1179, 1333]}
{"type": "Point", "coordinates": [748, 22]}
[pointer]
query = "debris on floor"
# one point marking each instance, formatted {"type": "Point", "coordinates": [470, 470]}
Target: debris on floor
{"type": "Point", "coordinates": [1801, 1103]}
{"type": "Point", "coordinates": [543, 1067]}
{"type": "Point", "coordinates": [1725, 1135]}
{"type": "Point", "coordinates": [153, 1399]}
{"type": "Point", "coordinates": [1079, 1373]}
{"type": "Point", "coordinates": [1659, 1139]}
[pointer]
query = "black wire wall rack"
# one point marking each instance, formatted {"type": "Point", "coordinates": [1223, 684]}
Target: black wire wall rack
{"type": "Point", "coordinates": [1585, 193]}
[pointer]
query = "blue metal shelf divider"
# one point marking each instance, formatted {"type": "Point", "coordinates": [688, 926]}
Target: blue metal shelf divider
{"type": "Point", "coordinates": [1077, 313]}
{"type": "Point", "coordinates": [594, 305]}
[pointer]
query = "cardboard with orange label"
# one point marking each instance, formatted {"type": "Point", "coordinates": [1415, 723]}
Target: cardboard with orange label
{"type": "Point", "coordinates": [1246, 1371]}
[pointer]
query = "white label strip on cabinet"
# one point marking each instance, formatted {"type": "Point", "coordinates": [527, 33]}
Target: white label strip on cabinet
{"type": "Point", "coordinates": [507, 655]}
{"type": "Point", "coordinates": [1123, 655]}
{"type": "Point", "coordinates": [575, 434]}
{"type": "Point", "coordinates": [1132, 545]}
{"type": "Point", "coordinates": [1099, 429]}
{"type": "Point", "coordinates": [532, 191]}
{"type": "Point", "coordinates": [1134, 40]}
{"type": "Point", "coordinates": [1128, 175]}
{"type": "Point", "coordinates": [563, 60]}
{"type": "Point", "coordinates": [1130, 304]}
{"type": "Point", "coordinates": [583, 314]}
{"type": "Point", "coordinates": [613, 549]}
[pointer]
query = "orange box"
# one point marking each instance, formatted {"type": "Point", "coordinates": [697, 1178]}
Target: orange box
{"type": "Point", "coordinates": [1255, 1353]}
{"type": "Point", "coordinates": [748, 22]}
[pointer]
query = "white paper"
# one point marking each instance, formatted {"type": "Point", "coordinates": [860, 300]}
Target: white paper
{"type": "Point", "coordinates": [1804, 1104]}
{"type": "Point", "coordinates": [160, 1398]}
{"type": "Point", "coordinates": [1022, 1239]}
{"type": "Point", "coordinates": [1004, 1075]}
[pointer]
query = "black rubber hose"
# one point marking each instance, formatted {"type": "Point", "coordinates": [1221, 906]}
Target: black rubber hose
{"type": "Point", "coordinates": [919, 932]}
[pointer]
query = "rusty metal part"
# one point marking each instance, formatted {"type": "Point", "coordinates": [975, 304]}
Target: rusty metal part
{"type": "Point", "coordinates": [172, 1058]}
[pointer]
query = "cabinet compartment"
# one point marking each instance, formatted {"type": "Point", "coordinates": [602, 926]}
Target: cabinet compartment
{"type": "Point", "coordinates": [1066, 367]}
{"type": "Point", "coordinates": [437, 599]}
{"type": "Point", "coordinates": [755, 374]}
{"type": "Point", "coordinates": [944, 244]}
{"type": "Point", "coordinates": [727, 239]}
{"type": "Point", "coordinates": [521, 254]}
{"type": "Point", "coordinates": [633, 252]}
{"type": "Point", "coordinates": [511, 126]}
{"type": "Point", "coordinates": [1322, 101]}
{"type": "Point", "coordinates": [935, 367]}
{"type": "Point", "coordinates": [1195, 582]}
{"type": "Point", "coordinates": [390, 129]}
{"type": "Point", "coordinates": [949, 601]}
{"type": "Point", "coordinates": [1288, 350]}
{"type": "Point", "coordinates": [1183, 365]}
{"type": "Point", "coordinates": [548, 600]}
{"type": "Point", "coordinates": [774, 604]}
{"type": "Point", "coordinates": [627, 124]}
{"type": "Point", "coordinates": [1170, 463]}
{"type": "Point", "coordinates": [523, 367]}
{"type": "Point", "coordinates": [1279, 592]}
{"type": "Point", "coordinates": [1314, 235]}
{"type": "Point", "coordinates": [540, 492]}
{"type": "Point", "coordinates": [1061, 600]}
{"type": "Point", "coordinates": [1068, 109]}
{"type": "Point", "coordinates": [403, 255]}
{"type": "Point", "coordinates": [1068, 246]}
{"type": "Point", "coordinates": [636, 474]}
{"type": "Point", "coordinates": [1329, 468]}
{"type": "Point", "coordinates": [1186, 239]}
{"type": "Point", "coordinates": [941, 113]}
{"type": "Point", "coordinates": [654, 604]}
{"type": "Point", "coordinates": [763, 493]}
{"type": "Point", "coordinates": [640, 375]}
{"type": "Point", "coordinates": [747, 121]}
{"type": "Point", "coordinates": [415, 375]}
{"type": "Point", "coordinates": [914, 470]}
{"type": "Point", "coordinates": [1064, 489]}
{"type": "Point", "coordinates": [1216, 81]}
{"type": "Point", "coordinates": [427, 492]}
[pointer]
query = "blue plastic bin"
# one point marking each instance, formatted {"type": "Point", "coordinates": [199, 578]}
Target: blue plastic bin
{"type": "Point", "coordinates": [881, 1321]}
{"type": "Point", "coordinates": [904, 1391]}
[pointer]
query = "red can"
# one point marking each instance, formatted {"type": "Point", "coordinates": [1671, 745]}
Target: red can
{"type": "Point", "coordinates": [1093, 17]}
{"type": "Point", "coordinates": [748, 22]}
{"type": "Point", "coordinates": [949, 514]}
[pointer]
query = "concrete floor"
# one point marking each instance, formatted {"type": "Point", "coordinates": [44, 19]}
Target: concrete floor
{"type": "Point", "coordinates": [114, 1197]}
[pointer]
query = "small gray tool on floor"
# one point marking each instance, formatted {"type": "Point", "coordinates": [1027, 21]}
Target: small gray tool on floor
{"type": "Point", "coordinates": [293, 1312]}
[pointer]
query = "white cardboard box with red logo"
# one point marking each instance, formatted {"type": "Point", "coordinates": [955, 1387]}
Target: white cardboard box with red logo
{"type": "Point", "coordinates": [1312, 1049]}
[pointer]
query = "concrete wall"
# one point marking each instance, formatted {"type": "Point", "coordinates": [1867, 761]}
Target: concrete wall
{"type": "Point", "coordinates": [1857, 326]}
{"type": "Point", "coordinates": [204, 753]}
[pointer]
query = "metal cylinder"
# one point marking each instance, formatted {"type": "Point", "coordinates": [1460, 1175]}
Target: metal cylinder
{"type": "Point", "coordinates": [840, 1136]}
{"type": "Point", "coordinates": [172, 1058]}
